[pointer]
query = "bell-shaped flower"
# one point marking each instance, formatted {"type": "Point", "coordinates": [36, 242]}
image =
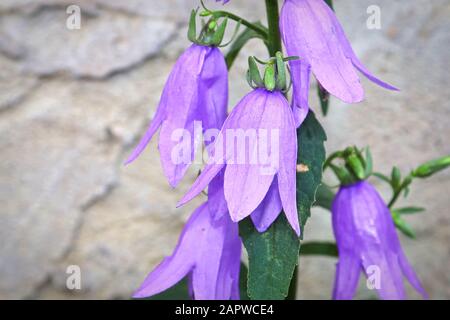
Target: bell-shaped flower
{"type": "Point", "coordinates": [311, 31]}
{"type": "Point", "coordinates": [208, 252]}
{"type": "Point", "coordinates": [194, 98]}
{"type": "Point", "coordinates": [257, 149]}
{"type": "Point", "coordinates": [367, 240]}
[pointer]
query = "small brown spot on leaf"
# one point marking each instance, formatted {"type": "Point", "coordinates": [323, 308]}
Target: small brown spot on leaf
{"type": "Point", "coordinates": [302, 168]}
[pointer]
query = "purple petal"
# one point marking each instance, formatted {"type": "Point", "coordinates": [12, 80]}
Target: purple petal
{"type": "Point", "coordinates": [347, 276]}
{"type": "Point", "coordinates": [227, 286]}
{"type": "Point", "coordinates": [208, 173]}
{"type": "Point", "coordinates": [308, 32]}
{"type": "Point", "coordinates": [247, 180]}
{"type": "Point", "coordinates": [209, 254]}
{"type": "Point", "coordinates": [152, 128]}
{"type": "Point", "coordinates": [182, 261]}
{"type": "Point", "coordinates": [268, 210]}
{"type": "Point", "coordinates": [410, 274]}
{"type": "Point", "coordinates": [350, 53]}
{"type": "Point", "coordinates": [372, 221]}
{"type": "Point", "coordinates": [384, 262]}
{"type": "Point", "coordinates": [216, 198]}
{"type": "Point", "coordinates": [213, 90]}
{"type": "Point", "coordinates": [364, 227]}
{"type": "Point", "coordinates": [288, 161]}
{"type": "Point", "coordinates": [182, 106]}
{"type": "Point", "coordinates": [300, 72]}
{"type": "Point", "coordinates": [218, 159]}
{"type": "Point", "coordinates": [218, 260]}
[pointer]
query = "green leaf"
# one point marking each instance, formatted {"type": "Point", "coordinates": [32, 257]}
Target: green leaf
{"type": "Point", "coordinates": [243, 282]}
{"type": "Point", "coordinates": [324, 98]}
{"type": "Point", "coordinates": [324, 197]}
{"type": "Point", "coordinates": [319, 248]}
{"type": "Point", "coordinates": [240, 42]}
{"type": "Point", "coordinates": [382, 177]}
{"type": "Point", "coordinates": [408, 210]}
{"type": "Point", "coordinates": [272, 257]}
{"type": "Point", "coordinates": [310, 160]}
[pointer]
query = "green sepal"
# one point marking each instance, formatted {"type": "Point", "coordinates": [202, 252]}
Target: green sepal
{"type": "Point", "coordinates": [192, 31]}
{"type": "Point", "coordinates": [253, 69]}
{"type": "Point", "coordinates": [269, 77]}
{"type": "Point", "coordinates": [219, 33]}
{"type": "Point", "coordinates": [281, 72]}
{"type": "Point", "coordinates": [355, 166]}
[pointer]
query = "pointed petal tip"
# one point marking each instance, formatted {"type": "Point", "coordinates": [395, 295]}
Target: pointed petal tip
{"type": "Point", "coordinates": [261, 228]}
{"type": "Point", "coordinates": [237, 216]}
{"type": "Point", "coordinates": [181, 203]}
{"type": "Point", "coordinates": [174, 183]}
{"type": "Point", "coordinates": [295, 224]}
{"type": "Point", "coordinates": [129, 160]}
{"type": "Point", "coordinates": [186, 198]}
{"type": "Point", "coordinates": [297, 231]}
{"type": "Point", "coordinates": [138, 294]}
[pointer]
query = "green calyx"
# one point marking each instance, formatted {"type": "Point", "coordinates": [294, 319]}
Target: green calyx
{"type": "Point", "coordinates": [353, 166]}
{"type": "Point", "coordinates": [212, 32]}
{"type": "Point", "coordinates": [275, 73]}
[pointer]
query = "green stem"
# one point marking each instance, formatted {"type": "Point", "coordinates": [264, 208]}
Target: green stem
{"type": "Point", "coordinates": [292, 294]}
{"type": "Point", "coordinates": [399, 191]}
{"type": "Point", "coordinates": [273, 17]}
{"type": "Point", "coordinates": [258, 29]}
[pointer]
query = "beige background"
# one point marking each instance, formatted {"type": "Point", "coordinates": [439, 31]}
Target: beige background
{"type": "Point", "coordinates": [74, 102]}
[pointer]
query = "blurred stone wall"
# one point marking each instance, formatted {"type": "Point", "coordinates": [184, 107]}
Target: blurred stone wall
{"type": "Point", "coordinates": [74, 102]}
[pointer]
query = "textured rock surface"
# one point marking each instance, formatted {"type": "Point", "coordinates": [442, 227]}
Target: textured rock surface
{"type": "Point", "coordinates": [73, 102]}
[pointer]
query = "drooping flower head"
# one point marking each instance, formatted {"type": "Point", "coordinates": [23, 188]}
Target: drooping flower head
{"type": "Point", "coordinates": [367, 240]}
{"type": "Point", "coordinates": [311, 31]}
{"type": "Point", "coordinates": [195, 97]}
{"type": "Point", "coordinates": [365, 232]}
{"type": "Point", "coordinates": [257, 149]}
{"type": "Point", "coordinates": [208, 252]}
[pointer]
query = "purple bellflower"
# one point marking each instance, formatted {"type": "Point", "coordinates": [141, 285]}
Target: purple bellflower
{"type": "Point", "coordinates": [311, 31]}
{"type": "Point", "coordinates": [367, 239]}
{"type": "Point", "coordinates": [208, 251]}
{"type": "Point", "coordinates": [256, 186]}
{"type": "Point", "coordinates": [195, 92]}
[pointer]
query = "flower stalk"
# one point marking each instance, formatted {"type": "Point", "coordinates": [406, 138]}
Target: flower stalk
{"type": "Point", "coordinates": [274, 38]}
